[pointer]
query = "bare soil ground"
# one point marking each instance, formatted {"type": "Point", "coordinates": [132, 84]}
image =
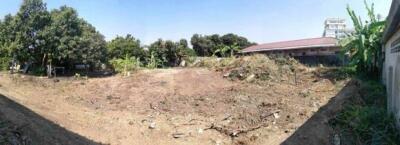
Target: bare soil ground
{"type": "Point", "coordinates": [173, 107]}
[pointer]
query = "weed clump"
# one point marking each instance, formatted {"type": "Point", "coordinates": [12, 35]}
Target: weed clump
{"type": "Point", "coordinates": [364, 120]}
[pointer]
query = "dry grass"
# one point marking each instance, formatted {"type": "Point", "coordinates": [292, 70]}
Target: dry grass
{"type": "Point", "coordinates": [253, 68]}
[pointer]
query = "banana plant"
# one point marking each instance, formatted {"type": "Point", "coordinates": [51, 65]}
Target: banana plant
{"type": "Point", "coordinates": [363, 46]}
{"type": "Point", "coordinates": [227, 51]}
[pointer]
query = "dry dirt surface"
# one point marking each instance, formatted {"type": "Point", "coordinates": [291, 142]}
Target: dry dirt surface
{"type": "Point", "coordinates": [193, 106]}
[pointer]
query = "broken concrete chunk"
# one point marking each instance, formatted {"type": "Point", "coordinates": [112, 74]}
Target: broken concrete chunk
{"type": "Point", "coordinates": [200, 130]}
{"type": "Point", "coordinates": [178, 135]}
{"type": "Point", "coordinates": [152, 125]}
{"type": "Point", "coordinates": [276, 115]}
{"type": "Point", "coordinates": [251, 78]}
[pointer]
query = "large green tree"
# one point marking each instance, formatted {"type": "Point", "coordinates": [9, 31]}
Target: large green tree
{"type": "Point", "coordinates": [7, 36]}
{"type": "Point", "coordinates": [63, 37]}
{"type": "Point", "coordinates": [92, 47]}
{"type": "Point", "coordinates": [202, 45]}
{"type": "Point", "coordinates": [209, 45]}
{"type": "Point", "coordinates": [169, 53]}
{"type": "Point", "coordinates": [120, 47]}
{"type": "Point", "coordinates": [58, 37]}
{"type": "Point", "coordinates": [29, 24]}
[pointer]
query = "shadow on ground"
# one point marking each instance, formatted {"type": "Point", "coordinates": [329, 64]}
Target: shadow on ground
{"type": "Point", "coordinates": [316, 130]}
{"type": "Point", "coordinates": [38, 129]}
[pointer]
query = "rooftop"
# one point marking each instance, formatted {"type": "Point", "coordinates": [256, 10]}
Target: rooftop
{"type": "Point", "coordinates": [393, 20]}
{"type": "Point", "coordinates": [293, 44]}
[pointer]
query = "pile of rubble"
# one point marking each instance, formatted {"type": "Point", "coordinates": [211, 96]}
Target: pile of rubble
{"type": "Point", "coordinates": [253, 68]}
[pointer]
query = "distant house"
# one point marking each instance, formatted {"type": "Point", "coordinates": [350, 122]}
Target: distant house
{"type": "Point", "coordinates": [336, 27]}
{"type": "Point", "coordinates": [391, 65]}
{"type": "Point", "coordinates": [323, 50]}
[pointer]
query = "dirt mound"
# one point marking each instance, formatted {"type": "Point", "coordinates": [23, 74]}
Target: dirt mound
{"type": "Point", "coordinates": [150, 87]}
{"type": "Point", "coordinates": [177, 106]}
{"type": "Point", "coordinates": [254, 67]}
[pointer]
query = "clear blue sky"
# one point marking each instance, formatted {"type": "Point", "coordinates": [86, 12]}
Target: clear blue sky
{"type": "Point", "coordinates": [259, 20]}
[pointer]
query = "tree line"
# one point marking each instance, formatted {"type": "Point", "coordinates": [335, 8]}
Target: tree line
{"type": "Point", "coordinates": [59, 37]}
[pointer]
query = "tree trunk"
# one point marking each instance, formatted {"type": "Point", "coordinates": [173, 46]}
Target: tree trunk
{"type": "Point", "coordinates": [43, 60]}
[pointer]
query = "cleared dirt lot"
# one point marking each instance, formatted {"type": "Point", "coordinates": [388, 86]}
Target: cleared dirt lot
{"type": "Point", "coordinates": [172, 106]}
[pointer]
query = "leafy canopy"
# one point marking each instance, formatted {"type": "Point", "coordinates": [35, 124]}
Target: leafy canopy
{"type": "Point", "coordinates": [35, 35]}
{"type": "Point", "coordinates": [209, 45]}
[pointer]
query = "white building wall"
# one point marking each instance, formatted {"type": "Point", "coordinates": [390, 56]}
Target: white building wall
{"type": "Point", "coordinates": [392, 76]}
{"type": "Point", "coordinates": [335, 27]}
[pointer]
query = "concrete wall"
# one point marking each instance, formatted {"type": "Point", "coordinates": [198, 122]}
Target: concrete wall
{"type": "Point", "coordinates": [313, 56]}
{"type": "Point", "coordinates": [391, 75]}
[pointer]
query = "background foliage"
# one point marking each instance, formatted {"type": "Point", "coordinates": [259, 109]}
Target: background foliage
{"type": "Point", "coordinates": [207, 45]}
{"type": "Point", "coordinates": [61, 38]}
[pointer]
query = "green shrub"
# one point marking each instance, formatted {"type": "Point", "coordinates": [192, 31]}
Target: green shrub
{"type": "Point", "coordinates": [4, 63]}
{"type": "Point", "coordinates": [369, 125]}
{"type": "Point", "coordinates": [38, 71]}
{"type": "Point", "coordinates": [365, 120]}
{"type": "Point", "coordinates": [373, 93]}
{"type": "Point", "coordinates": [154, 62]}
{"type": "Point", "coordinates": [125, 65]}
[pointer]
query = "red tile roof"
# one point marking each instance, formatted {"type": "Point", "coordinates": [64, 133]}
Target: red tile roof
{"type": "Point", "coordinates": [294, 44]}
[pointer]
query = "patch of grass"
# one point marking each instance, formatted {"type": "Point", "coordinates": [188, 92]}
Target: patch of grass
{"type": "Point", "coordinates": [365, 121]}
{"type": "Point", "coordinates": [125, 65]}
{"type": "Point", "coordinates": [4, 63]}
{"type": "Point", "coordinates": [373, 93]}
{"type": "Point", "coordinates": [338, 73]}
{"type": "Point", "coordinates": [369, 125]}
{"type": "Point", "coordinates": [38, 71]}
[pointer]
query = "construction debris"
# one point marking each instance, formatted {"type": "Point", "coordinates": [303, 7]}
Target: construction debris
{"type": "Point", "coordinates": [255, 67]}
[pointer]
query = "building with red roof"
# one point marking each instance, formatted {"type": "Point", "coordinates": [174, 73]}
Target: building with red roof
{"type": "Point", "coordinates": [323, 50]}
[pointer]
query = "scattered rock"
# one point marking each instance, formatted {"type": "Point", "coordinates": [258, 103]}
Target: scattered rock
{"type": "Point", "coordinates": [200, 130]}
{"type": "Point", "coordinates": [276, 115]}
{"type": "Point", "coordinates": [227, 74]}
{"type": "Point", "coordinates": [251, 78]}
{"type": "Point", "coordinates": [234, 134]}
{"type": "Point", "coordinates": [152, 125]}
{"type": "Point", "coordinates": [178, 135]}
